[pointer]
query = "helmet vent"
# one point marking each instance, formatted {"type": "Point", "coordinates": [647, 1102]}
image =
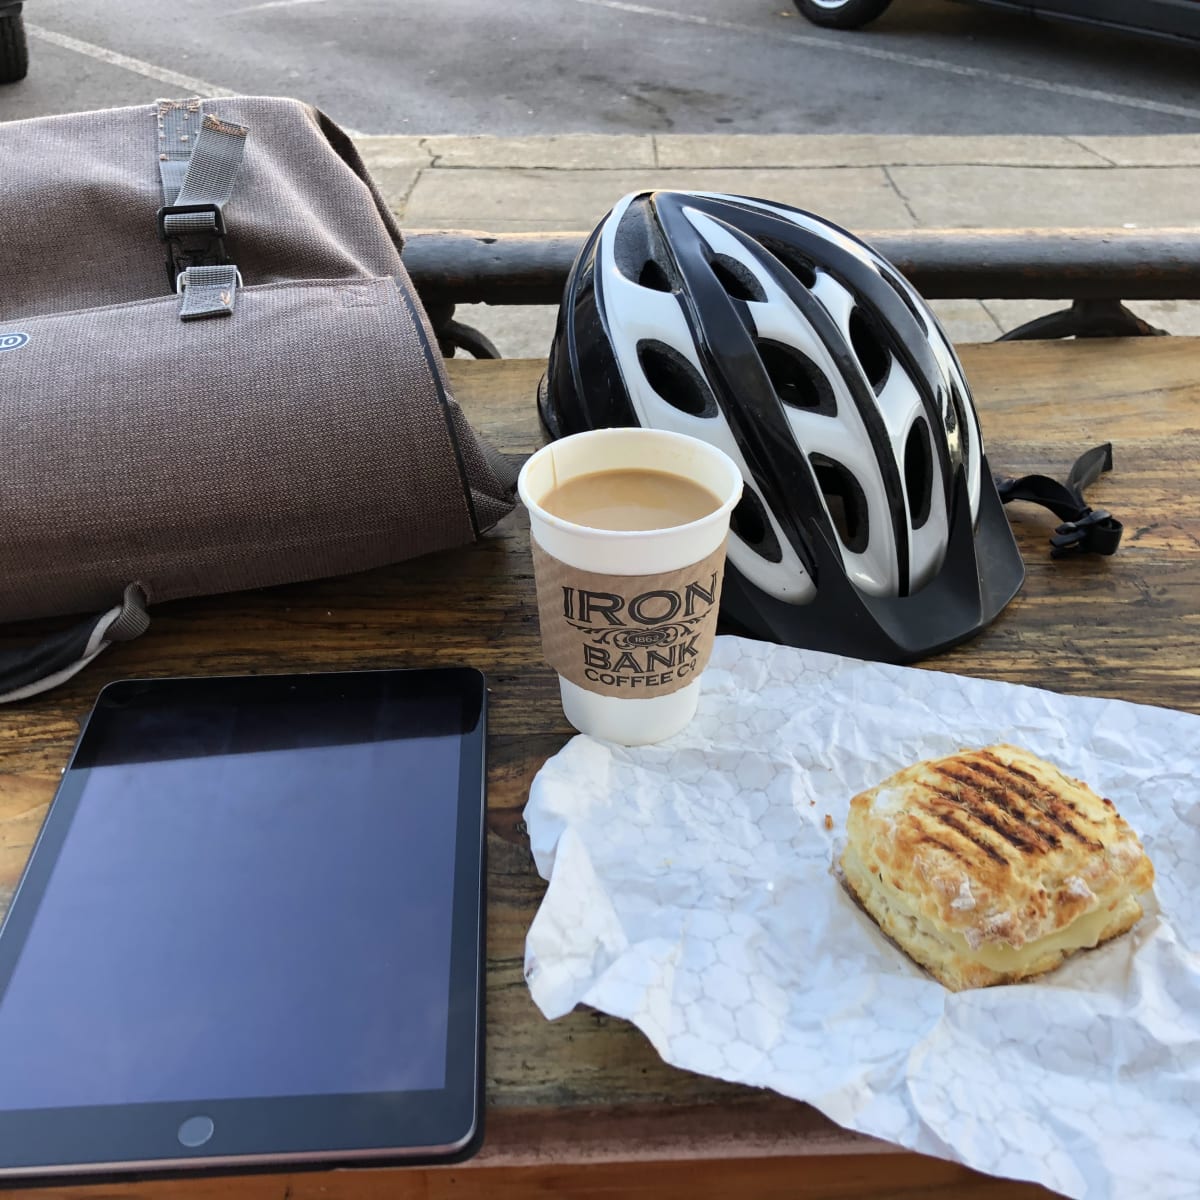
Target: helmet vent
{"type": "Point", "coordinates": [872, 354]}
{"type": "Point", "coordinates": [675, 379]}
{"type": "Point", "coordinates": [797, 380]}
{"type": "Point", "coordinates": [918, 472]}
{"type": "Point", "coordinates": [794, 261]}
{"type": "Point", "coordinates": [737, 279]}
{"type": "Point", "coordinates": [845, 500]}
{"type": "Point", "coordinates": [653, 276]}
{"type": "Point", "coordinates": [749, 522]}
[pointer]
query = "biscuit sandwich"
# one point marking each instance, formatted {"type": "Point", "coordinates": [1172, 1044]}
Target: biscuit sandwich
{"type": "Point", "coordinates": [992, 866]}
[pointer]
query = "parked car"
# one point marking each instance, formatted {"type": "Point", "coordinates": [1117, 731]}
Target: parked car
{"type": "Point", "coordinates": [1167, 18]}
{"type": "Point", "coordinates": [14, 57]}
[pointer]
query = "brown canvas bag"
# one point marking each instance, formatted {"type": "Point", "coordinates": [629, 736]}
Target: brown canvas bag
{"type": "Point", "coordinates": [214, 371]}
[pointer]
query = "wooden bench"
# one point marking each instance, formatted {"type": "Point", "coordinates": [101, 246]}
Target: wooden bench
{"type": "Point", "coordinates": [583, 1106]}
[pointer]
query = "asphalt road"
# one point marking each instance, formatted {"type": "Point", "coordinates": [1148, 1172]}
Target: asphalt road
{"type": "Point", "coordinates": [613, 66]}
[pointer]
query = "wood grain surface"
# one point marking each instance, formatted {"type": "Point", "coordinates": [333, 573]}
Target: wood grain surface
{"type": "Point", "coordinates": [583, 1106]}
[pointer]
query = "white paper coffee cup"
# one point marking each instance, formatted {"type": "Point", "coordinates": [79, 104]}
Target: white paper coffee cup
{"type": "Point", "coordinates": [649, 633]}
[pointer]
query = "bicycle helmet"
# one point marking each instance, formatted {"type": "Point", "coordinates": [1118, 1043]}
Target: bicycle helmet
{"type": "Point", "coordinates": [869, 524]}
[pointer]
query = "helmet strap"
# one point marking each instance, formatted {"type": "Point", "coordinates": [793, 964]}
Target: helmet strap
{"type": "Point", "coordinates": [1084, 529]}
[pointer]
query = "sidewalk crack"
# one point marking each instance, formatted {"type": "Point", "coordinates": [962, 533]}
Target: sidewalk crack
{"type": "Point", "coordinates": [995, 319]}
{"type": "Point", "coordinates": [1108, 162]}
{"type": "Point", "coordinates": [400, 208]}
{"type": "Point", "coordinates": [435, 160]}
{"type": "Point", "coordinates": [887, 174]}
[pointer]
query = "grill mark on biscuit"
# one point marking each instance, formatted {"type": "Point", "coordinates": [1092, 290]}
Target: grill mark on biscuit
{"type": "Point", "coordinates": [1038, 788]}
{"type": "Point", "coordinates": [981, 806]}
{"type": "Point", "coordinates": [972, 808]}
{"type": "Point", "coordinates": [929, 840]}
{"type": "Point", "coordinates": [1038, 796]}
{"type": "Point", "coordinates": [951, 821]}
{"type": "Point", "coordinates": [993, 803]}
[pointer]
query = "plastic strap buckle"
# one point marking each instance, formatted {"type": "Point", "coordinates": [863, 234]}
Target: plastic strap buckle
{"type": "Point", "coordinates": [1096, 532]}
{"type": "Point", "coordinates": [181, 281]}
{"type": "Point", "coordinates": [197, 243]}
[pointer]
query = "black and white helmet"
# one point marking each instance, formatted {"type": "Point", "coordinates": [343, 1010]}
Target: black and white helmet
{"type": "Point", "coordinates": [811, 361]}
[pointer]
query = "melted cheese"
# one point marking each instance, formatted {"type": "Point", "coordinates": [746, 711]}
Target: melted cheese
{"type": "Point", "coordinates": [1082, 933]}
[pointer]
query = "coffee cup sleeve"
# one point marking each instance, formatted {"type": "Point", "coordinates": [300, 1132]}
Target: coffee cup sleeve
{"type": "Point", "coordinates": [629, 636]}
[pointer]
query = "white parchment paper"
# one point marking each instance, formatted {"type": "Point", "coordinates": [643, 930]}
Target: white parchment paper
{"type": "Point", "coordinates": [691, 892]}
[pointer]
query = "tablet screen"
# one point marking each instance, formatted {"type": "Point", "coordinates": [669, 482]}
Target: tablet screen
{"type": "Point", "coordinates": [254, 897]}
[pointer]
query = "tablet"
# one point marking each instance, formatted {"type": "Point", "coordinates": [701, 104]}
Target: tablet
{"type": "Point", "coordinates": [250, 932]}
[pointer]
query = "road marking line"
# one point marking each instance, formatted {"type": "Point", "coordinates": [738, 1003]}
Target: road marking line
{"type": "Point", "coordinates": [185, 83]}
{"type": "Point", "coordinates": [272, 4]}
{"type": "Point", "coordinates": [908, 60]}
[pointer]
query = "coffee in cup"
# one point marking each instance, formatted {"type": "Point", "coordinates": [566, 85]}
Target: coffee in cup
{"type": "Point", "coordinates": [626, 499]}
{"type": "Point", "coordinates": [628, 534]}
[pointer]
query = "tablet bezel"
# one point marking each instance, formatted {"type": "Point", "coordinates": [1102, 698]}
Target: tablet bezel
{"type": "Point", "coordinates": [274, 1131]}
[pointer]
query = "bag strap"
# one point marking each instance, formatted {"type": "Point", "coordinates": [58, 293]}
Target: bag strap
{"type": "Point", "coordinates": [53, 660]}
{"type": "Point", "coordinates": [1084, 530]}
{"type": "Point", "coordinates": [199, 157]}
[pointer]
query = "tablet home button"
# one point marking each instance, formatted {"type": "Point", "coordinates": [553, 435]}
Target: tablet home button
{"type": "Point", "coordinates": [195, 1131]}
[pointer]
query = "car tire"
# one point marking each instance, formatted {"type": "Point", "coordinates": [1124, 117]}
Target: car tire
{"type": "Point", "coordinates": [14, 53]}
{"type": "Point", "coordinates": [841, 14]}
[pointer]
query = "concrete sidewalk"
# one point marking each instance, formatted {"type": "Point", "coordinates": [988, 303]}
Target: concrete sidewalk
{"type": "Point", "coordinates": [568, 182]}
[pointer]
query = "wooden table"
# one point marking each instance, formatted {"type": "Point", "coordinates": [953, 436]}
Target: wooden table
{"type": "Point", "coordinates": [583, 1106]}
